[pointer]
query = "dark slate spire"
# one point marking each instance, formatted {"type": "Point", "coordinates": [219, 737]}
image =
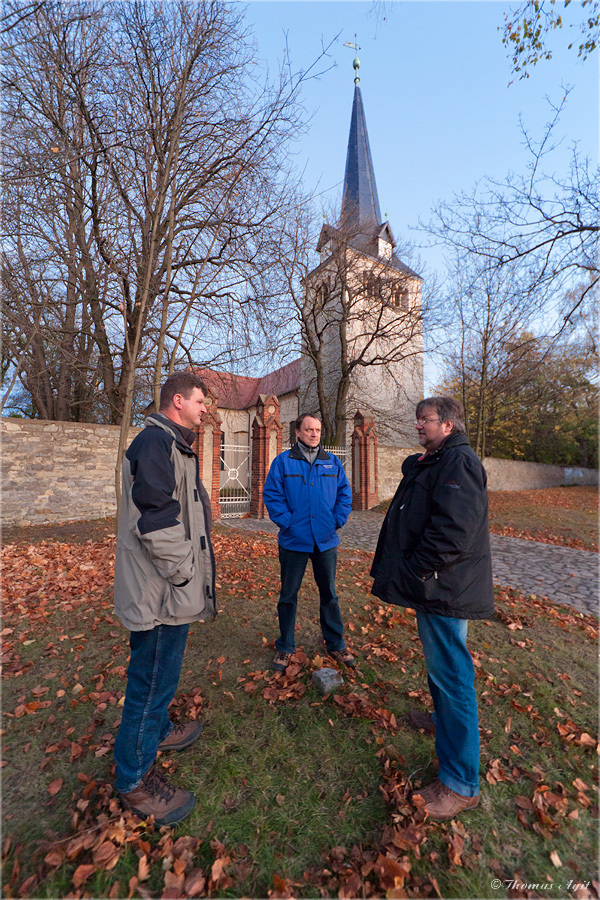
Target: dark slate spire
{"type": "Point", "coordinates": [360, 204]}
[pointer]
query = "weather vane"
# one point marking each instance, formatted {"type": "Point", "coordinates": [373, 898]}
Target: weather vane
{"type": "Point", "coordinates": [356, 63]}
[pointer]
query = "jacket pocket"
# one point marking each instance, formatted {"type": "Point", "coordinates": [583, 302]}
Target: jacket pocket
{"type": "Point", "coordinates": [427, 583]}
{"type": "Point", "coordinates": [411, 586]}
{"type": "Point", "coordinates": [290, 524]}
{"type": "Point", "coordinates": [327, 520]}
{"type": "Point", "coordinates": [185, 600]}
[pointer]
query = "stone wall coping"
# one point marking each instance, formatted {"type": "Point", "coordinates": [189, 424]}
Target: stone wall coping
{"type": "Point", "coordinates": [503, 474]}
{"type": "Point", "coordinates": [12, 424]}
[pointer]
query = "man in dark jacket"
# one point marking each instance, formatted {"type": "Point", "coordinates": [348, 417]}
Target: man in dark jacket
{"type": "Point", "coordinates": [433, 555]}
{"type": "Point", "coordinates": [308, 496]}
{"type": "Point", "coordinates": [164, 580]}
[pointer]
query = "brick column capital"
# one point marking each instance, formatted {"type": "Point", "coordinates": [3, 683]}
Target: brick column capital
{"type": "Point", "coordinates": [365, 486]}
{"type": "Point", "coordinates": [266, 445]}
{"type": "Point", "coordinates": [211, 420]}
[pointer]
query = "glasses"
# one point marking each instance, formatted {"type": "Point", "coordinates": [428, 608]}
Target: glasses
{"type": "Point", "coordinates": [426, 419]}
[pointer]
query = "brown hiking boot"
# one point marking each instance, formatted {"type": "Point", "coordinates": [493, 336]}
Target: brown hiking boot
{"type": "Point", "coordinates": [182, 736]}
{"type": "Point", "coordinates": [443, 803]}
{"type": "Point", "coordinates": [281, 661]}
{"type": "Point", "coordinates": [342, 656]}
{"type": "Point", "coordinates": [154, 796]}
{"type": "Point", "coordinates": [422, 721]}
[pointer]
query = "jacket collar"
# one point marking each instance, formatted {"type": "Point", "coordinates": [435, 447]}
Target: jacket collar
{"type": "Point", "coordinates": [160, 421]}
{"type": "Point", "coordinates": [453, 440]}
{"type": "Point", "coordinates": [296, 453]}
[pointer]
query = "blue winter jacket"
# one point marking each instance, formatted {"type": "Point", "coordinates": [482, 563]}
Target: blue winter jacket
{"type": "Point", "coordinates": [308, 503]}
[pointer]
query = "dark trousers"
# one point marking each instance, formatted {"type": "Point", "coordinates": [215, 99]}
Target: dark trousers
{"type": "Point", "coordinates": [152, 677]}
{"type": "Point", "coordinates": [293, 565]}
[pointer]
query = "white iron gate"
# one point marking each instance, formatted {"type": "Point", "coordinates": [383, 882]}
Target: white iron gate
{"type": "Point", "coordinates": [342, 454]}
{"type": "Point", "coordinates": [234, 485]}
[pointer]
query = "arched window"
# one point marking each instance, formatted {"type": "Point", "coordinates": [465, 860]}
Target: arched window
{"type": "Point", "coordinates": [371, 284]}
{"type": "Point", "coordinates": [400, 297]}
{"type": "Point", "coordinates": [323, 293]}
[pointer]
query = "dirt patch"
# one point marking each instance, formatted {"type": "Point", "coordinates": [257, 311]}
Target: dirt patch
{"type": "Point", "coordinates": [63, 532]}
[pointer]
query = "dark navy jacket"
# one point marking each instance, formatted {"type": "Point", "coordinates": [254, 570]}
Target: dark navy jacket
{"type": "Point", "coordinates": [308, 503]}
{"type": "Point", "coordinates": [433, 552]}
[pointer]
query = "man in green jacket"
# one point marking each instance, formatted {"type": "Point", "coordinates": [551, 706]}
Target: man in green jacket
{"type": "Point", "coordinates": [164, 580]}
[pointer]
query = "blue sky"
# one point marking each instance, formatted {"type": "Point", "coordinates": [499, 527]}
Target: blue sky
{"type": "Point", "coordinates": [441, 102]}
{"type": "Point", "coordinates": [435, 80]}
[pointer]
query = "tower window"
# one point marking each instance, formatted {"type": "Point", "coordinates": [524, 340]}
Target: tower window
{"type": "Point", "coordinates": [400, 298]}
{"type": "Point", "coordinates": [323, 293]}
{"type": "Point", "coordinates": [371, 284]}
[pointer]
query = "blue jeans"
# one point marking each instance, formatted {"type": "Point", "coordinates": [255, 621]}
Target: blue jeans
{"type": "Point", "coordinates": [451, 677]}
{"type": "Point", "coordinates": [152, 677]}
{"type": "Point", "coordinates": [293, 565]}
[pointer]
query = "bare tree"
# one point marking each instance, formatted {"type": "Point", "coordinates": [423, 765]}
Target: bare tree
{"type": "Point", "coordinates": [540, 402]}
{"type": "Point", "coordinates": [145, 163]}
{"type": "Point", "coordinates": [488, 341]}
{"type": "Point", "coordinates": [360, 317]}
{"type": "Point", "coordinates": [542, 226]}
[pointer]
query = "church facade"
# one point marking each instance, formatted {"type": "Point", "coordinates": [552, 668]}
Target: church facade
{"type": "Point", "coordinates": [362, 321]}
{"type": "Point", "coordinates": [362, 345]}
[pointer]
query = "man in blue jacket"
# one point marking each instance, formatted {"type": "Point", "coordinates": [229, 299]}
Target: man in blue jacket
{"type": "Point", "coordinates": [308, 496]}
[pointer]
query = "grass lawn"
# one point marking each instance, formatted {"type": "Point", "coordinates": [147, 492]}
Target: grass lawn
{"type": "Point", "coordinates": [567, 516]}
{"type": "Point", "coordinates": [297, 794]}
{"type": "Point", "coordinates": [562, 515]}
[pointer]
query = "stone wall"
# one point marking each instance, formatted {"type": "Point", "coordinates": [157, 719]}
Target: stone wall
{"type": "Point", "coordinates": [57, 471]}
{"type": "Point", "coordinates": [514, 475]}
{"type": "Point", "coordinates": [63, 471]}
{"type": "Point", "coordinates": [503, 474]}
{"type": "Point", "coordinates": [389, 468]}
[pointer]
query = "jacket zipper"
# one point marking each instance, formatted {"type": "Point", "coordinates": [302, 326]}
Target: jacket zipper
{"type": "Point", "coordinates": [295, 475]}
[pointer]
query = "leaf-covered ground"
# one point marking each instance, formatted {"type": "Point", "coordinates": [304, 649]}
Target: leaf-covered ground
{"type": "Point", "coordinates": [297, 794]}
{"type": "Point", "coordinates": [566, 516]}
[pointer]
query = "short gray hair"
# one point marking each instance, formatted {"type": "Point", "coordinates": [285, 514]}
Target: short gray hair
{"type": "Point", "coordinates": [448, 410]}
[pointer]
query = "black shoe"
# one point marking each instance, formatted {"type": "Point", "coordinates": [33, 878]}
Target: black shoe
{"type": "Point", "coordinates": [421, 720]}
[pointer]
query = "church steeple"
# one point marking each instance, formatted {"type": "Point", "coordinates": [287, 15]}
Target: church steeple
{"type": "Point", "coordinates": [360, 203]}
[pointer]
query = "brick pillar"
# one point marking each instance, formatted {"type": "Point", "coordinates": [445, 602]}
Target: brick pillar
{"type": "Point", "coordinates": [266, 445]}
{"type": "Point", "coordinates": [365, 486]}
{"type": "Point", "coordinates": [208, 449]}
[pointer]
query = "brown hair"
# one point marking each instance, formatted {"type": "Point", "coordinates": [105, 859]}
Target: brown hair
{"type": "Point", "coordinates": [303, 416]}
{"type": "Point", "coordinates": [448, 410]}
{"type": "Point", "coordinates": [180, 383]}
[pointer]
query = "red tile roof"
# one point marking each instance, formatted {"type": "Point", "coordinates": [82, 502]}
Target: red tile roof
{"type": "Point", "coordinates": [241, 392]}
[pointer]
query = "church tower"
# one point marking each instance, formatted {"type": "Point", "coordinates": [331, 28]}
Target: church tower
{"type": "Point", "coordinates": [362, 341]}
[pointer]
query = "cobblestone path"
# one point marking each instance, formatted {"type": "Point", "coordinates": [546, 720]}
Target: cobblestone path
{"type": "Point", "coordinates": [560, 573]}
